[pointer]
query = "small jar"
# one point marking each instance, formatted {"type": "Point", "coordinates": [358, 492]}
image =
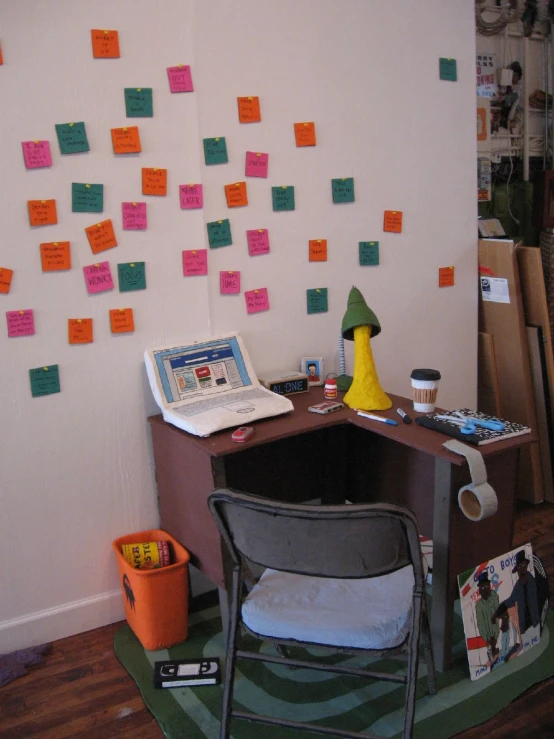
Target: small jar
{"type": "Point", "coordinates": [330, 389]}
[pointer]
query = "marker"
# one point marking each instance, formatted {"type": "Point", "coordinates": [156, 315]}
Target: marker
{"type": "Point", "coordinates": [378, 418]}
{"type": "Point", "coordinates": [404, 416]}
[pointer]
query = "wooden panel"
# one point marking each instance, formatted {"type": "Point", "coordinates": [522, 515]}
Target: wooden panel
{"type": "Point", "coordinates": [488, 392]}
{"type": "Point", "coordinates": [536, 355]}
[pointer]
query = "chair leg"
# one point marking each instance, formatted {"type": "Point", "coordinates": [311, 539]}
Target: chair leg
{"type": "Point", "coordinates": [230, 658]}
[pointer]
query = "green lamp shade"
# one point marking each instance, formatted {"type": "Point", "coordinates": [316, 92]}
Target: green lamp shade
{"type": "Point", "coordinates": [358, 314]}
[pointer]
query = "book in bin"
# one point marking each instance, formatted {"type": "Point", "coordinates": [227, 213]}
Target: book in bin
{"type": "Point", "coordinates": [481, 435]}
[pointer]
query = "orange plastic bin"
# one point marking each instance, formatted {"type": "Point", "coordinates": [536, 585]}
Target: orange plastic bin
{"type": "Point", "coordinates": [156, 601]}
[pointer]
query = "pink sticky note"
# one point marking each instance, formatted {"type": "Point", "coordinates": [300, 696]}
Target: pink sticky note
{"type": "Point", "coordinates": [134, 216]}
{"type": "Point", "coordinates": [191, 196]}
{"type": "Point", "coordinates": [229, 282]}
{"type": "Point", "coordinates": [20, 322]}
{"type": "Point", "coordinates": [98, 277]}
{"type": "Point", "coordinates": [36, 154]}
{"type": "Point", "coordinates": [256, 300]}
{"type": "Point", "coordinates": [256, 164]}
{"type": "Point", "coordinates": [180, 79]}
{"type": "Point", "coordinates": [195, 262]}
{"type": "Point", "coordinates": [258, 241]}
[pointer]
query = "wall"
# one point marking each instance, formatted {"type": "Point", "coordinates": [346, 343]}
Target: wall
{"type": "Point", "coordinates": [76, 468]}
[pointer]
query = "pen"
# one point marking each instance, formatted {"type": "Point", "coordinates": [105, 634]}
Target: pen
{"type": "Point", "coordinates": [403, 415]}
{"type": "Point", "coordinates": [378, 418]}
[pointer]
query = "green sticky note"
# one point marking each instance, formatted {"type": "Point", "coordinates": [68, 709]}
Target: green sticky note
{"type": "Point", "coordinates": [283, 197]}
{"type": "Point", "coordinates": [72, 138]}
{"type": "Point", "coordinates": [86, 198]}
{"type": "Point", "coordinates": [448, 69]}
{"type": "Point", "coordinates": [369, 253]}
{"type": "Point", "coordinates": [138, 102]}
{"type": "Point", "coordinates": [132, 276]}
{"type": "Point", "coordinates": [215, 151]}
{"type": "Point", "coordinates": [219, 233]}
{"type": "Point", "coordinates": [343, 190]}
{"type": "Point", "coordinates": [317, 300]}
{"type": "Point", "coordinates": [44, 380]}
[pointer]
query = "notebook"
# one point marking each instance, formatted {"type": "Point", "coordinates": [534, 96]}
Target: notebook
{"type": "Point", "coordinates": [481, 435]}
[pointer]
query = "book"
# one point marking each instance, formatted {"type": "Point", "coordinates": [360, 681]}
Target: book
{"type": "Point", "coordinates": [185, 673]}
{"type": "Point", "coordinates": [481, 435]}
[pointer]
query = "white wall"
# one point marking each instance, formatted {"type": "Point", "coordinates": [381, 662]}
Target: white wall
{"type": "Point", "coordinates": [76, 468]}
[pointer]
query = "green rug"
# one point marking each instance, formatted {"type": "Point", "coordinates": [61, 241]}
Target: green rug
{"type": "Point", "coordinates": [347, 702]}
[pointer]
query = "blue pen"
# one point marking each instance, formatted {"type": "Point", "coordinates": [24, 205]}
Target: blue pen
{"type": "Point", "coordinates": [378, 418]}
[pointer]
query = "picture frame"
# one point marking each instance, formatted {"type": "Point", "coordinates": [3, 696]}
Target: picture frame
{"type": "Point", "coordinates": [313, 367]}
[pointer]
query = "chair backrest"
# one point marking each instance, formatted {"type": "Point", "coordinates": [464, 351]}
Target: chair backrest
{"type": "Point", "coordinates": [346, 541]}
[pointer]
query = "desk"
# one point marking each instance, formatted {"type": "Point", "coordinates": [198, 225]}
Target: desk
{"type": "Point", "coordinates": [301, 456]}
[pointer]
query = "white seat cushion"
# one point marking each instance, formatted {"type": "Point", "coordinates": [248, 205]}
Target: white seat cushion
{"type": "Point", "coordinates": [373, 613]}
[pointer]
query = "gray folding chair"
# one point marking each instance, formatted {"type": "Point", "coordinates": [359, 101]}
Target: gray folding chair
{"type": "Point", "coordinates": [348, 577]}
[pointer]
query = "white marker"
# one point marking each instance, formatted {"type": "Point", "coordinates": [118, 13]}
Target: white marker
{"type": "Point", "coordinates": [378, 418]}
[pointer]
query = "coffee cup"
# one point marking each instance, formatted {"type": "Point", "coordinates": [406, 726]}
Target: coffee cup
{"type": "Point", "coordinates": [425, 386]}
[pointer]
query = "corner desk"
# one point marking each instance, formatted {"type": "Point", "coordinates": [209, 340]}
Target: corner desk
{"type": "Point", "coordinates": [302, 456]}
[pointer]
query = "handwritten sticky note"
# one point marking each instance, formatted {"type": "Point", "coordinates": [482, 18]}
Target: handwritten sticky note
{"type": "Point", "coordinates": [101, 236]}
{"type": "Point", "coordinates": [256, 164]}
{"type": "Point", "coordinates": [36, 154]}
{"type": "Point", "coordinates": [42, 212]}
{"type": "Point", "coordinates": [132, 276]}
{"type": "Point", "coordinates": [138, 102]}
{"type": "Point", "coordinates": [258, 241]}
{"type": "Point", "coordinates": [105, 44]}
{"type": "Point", "coordinates": [219, 233]}
{"type": "Point", "coordinates": [98, 277]}
{"type": "Point", "coordinates": [72, 138]}
{"type": "Point", "coordinates": [44, 380]}
{"type": "Point", "coordinates": [316, 300]}
{"type": "Point", "coordinates": [446, 276]}
{"type": "Point", "coordinates": [236, 195]}
{"type": "Point", "coordinates": [393, 221]}
{"type": "Point", "coordinates": [195, 262]}
{"type": "Point", "coordinates": [180, 78]}
{"type": "Point", "coordinates": [304, 133]}
{"type": "Point", "coordinates": [229, 282]}
{"type": "Point", "coordinates": [191, 196]}
{"type": "Point", "coordinates": [20, 323]}
{"type": "Point", "coordinates": [134, 216]}
{"type": "Point", "coordinates": [368, 253]}
{"type": "Point", "coordinates": [79, 330]}
{"type": "Point", "coordinates": [55, 256]}
{"type": "Point", "coordinates": [256, 300]}
{"type": "Point", "coordinates": [249, 109]}
{"type": "Point", "coordinates": [87, 198]}
{"type": "Point", "coordinates": [126, 140]}
{"type": "Point", "coordinates": [122, 320]}
{"type": "Point", "coordinates": [215, 151]}
{"type": "Point", "coordinates": [448, 69]}
{"type": "Point", "coordinates": [343, 190]}
{"type": "Point", "coordinates": [5, 279]}
{"type": "Point", "coordinates": [318, 250]}
{"type": "Point", "coordinates": [283, 197]}
{"type": "Point", "coordinates": [154, 181]}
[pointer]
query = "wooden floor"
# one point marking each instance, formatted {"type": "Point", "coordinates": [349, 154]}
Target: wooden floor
{"type": "Point", "coordinates": [82, 691]}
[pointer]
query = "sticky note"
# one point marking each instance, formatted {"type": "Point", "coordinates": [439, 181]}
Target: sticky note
{"type": "Point", "coordinates": [304, 133]}
{"type": "Point", "coordinates": [180, 78]}
{"type": "Point", "coordinates": [42, 212]}
{"type": "Point", "coordinates": [55, 256]}
{"type": "Point", "coordinates": [249, 109]}
{"type": "Point", "coordinates": [122, 320]}
{"type": "Point", "coordinates": [258, 241]}
{"type": "Point", "coordinates": [256, 300]}
{"type": "Point", "coordinates": [191, 196]}
{"type": "Point", "coordinates": [393, 221]}
{"type": "Point", "coordinates": [20, 323]}
{"type": "Point", "coordinates": [368, 253]}
{"type": "Point", "coordinates": [138, 102]}
{"type": "Point", "coordinates": [132, 276]}
{"type": "Point", "coordinates": [5, 279]}
{"type": "Point", "coordinates": [448, 69]}
{"type": "Point", "coordinates": [105, 44]}
{"type": "Point", "coordinates": [283, 197]}
{"type": "Point", "coordinates": [219, 233]}
{"type": "Point", "coordinates": [318, 250]}
{"type": "Point", "coordinates": [229, 282]}
{"type": "Point", "coordinates": [79, 330]}
{"type": "Point", "coordinates": [256, 164]}
{"type": "Point", "coordinates": [87, 198]}
{"type": "Point", "coordinates": [343, 190]}
{"type": "Point", "coordinates": [236, 195]}
{"type": "Point", "coordinates": [316, 300]}
{"type": "Point", "coordinates": [98, 277]}
{"type": "Point", "coordinates": [195, 262]}
{"type": "Point", "coordinates": [215, 151]}
{"type": "Point", "coordinates": [126, 140]}
{"type": "Point", "coordinates": [72, 138]}
{"type": "Point", "coordinates": [44, 380]}
{"type": "Point", "coordinates": [154, 181]}
{"type": "Point", "coordinates": [134, 216]}
{"type": "Point", "coordinates": [446, 276]}
{"type": "Point", "coordinates": [101, 236]}
{"type": "Point", "coordinates": [36, 154]}
{"type": "Point", "coordinates": [1, 55]}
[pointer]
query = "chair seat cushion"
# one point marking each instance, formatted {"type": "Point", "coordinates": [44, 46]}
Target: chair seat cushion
{"type": "Point", "coordinates": [372, 613]}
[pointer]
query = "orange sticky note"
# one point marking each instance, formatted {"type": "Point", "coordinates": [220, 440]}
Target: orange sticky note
{"type": "Point", "coordinates": [249, 109]}
{"type": "Point", "coordinates": [5, 279]}
{"type": "Point", "coordinates": [101, 236]}
{"type": "Point", "coordinates": [42, 212]}
{"type": "Point", "coordinates": [304, 133]}
{"type": "Point", "coordinates": [1, 56]}
{"type": "Point", "coordinates": [236, 194]}
{"type": "Point", "coordinates": [393, 221]}
{"type": "Point", "coordinates": [79, 330]}
{"type": "Point", "coordinates": [154, 181]}
{"type": "Point", "coordinates": [126, 140]}
{"type": "Point", "coordinates": [55, 255]}
{"type": "Point", "coordinates": [318, 250]}
{"type": "Point", "coordinates": [122, 321]}
{"type": "Point", "coordinates": [446, 276]}
{"type": "Point", "coordinates": [105, 44]}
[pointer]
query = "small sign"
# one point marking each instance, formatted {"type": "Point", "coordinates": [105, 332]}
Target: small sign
{"type": "Point", "coordinates": [44, 380]}
{"type": "Point", "coordinates": [72, 138]}
{"type": "Point", "coordinates": [195, 262]}
{"type": "Point", "coordinates": [283, 197]}
{"type": "Point", "coordinates": [304, 133]}
{"type": "Point", "coordinates": [229, 282]}
{"type": "Point", "coordinates": [256, 300]}
{"type": "Point", "coordinates": [447, 69]}
{"type": "Point", "coordinates": [134, 216]}
{"type": "Point", "coordinates": [369, 253]}
{"type": "Point", "coordinates": [446, 276]}
{"type": "Point", "coordinates": [132, 276]}
{"type": "Point", "coordinates": [219, 233]}
{"type": "Point", "coordinates": [122, 321]}
{"type": "Point", "coordinates": [42, 212]}
{"type": "Point", "coordinates": [105, 44]}
{"type": "Point", "coordinates": [126, 140]}
{"type": "Point", "coordinates": [180, 78]}
{"type": "Point", "coordinates": [101, 236]}
{"type": "Point", "coordinates": [343, 190]}
{"type": "Point", "coordinates": [36, 154]}
{"type": "Point", "coordinates": [256, 164]}
{"type": "Point", "coordinates": [138, 102]}
{"type": "Point", "coordinates": [154, 181]}
{"type": "Point", "coordinates": [316, 300]}
{"type": "Point", "coordinates": [79, 330]}
{"type": "Point", "coordinates": [318, 250]}
{"type": "Point", "coordinates": [258, 241]}
{"type": "Point", "coordinates": [191, 196]}
{"type": "Point", "coordinates": [87, 198]}
{"type": "Point", "coordinates": [98, 277]}
{"type": "Point", "coordinates": [215, 151]}
{"type": "Point", "coordinates": [236, 195]}
{"type": "Point", "coordinates": [20, 323]}
{"type": "Point", "coordinates": [495, 289]}
{"type": "Point", "coordinates": [249, 109]}
{"type": "Point", "coordinates": [5, 279]}
{"type": "Point", "coordinates": [393, 221]}
{"type": "Point", "coordinates": [55, 256]}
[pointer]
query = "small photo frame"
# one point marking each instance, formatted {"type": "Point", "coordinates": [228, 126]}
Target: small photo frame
{"type": "Point", "coordinates": [313, 367]}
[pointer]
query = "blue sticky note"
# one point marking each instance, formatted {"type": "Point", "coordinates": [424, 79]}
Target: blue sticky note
{"type": "Point", "coordinates": [369, 253]}
{"type": "Point", "coordinates": [316, 300]}
{"type": "Point", "coordinates": [44, 380]}
{"type": "Point", "coordinates": [87, 198]}
{"type": "Point", "coordinates": [343, 190]}
{"type": "Point", "coordinates": [448, 69]}
{"type": "Point", "coordinates": [72, 138]}
{"type": "Point", "coordinates": [219, 233]}
{"type": "Point", "coordinates": [131, 276]}
{"type": "Point", "coordinates": [215, 151]}
{"type": "Point", "coordinates": [138, 102]}
{"type": "Point", "coordinates": [283, 197]}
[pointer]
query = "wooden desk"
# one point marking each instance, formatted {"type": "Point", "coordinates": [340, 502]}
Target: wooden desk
{"type": "Point", "coordinates": [302, 456]}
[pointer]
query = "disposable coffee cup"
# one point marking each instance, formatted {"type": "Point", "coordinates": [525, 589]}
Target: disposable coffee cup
{"type": "Point", "coordinates": [425, 386]}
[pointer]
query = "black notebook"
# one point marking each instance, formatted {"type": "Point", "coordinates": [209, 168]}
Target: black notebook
{"type": "Point", "coordinates": [184, 673]}
{"type": "Point", "coordinates": [481, 435]}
